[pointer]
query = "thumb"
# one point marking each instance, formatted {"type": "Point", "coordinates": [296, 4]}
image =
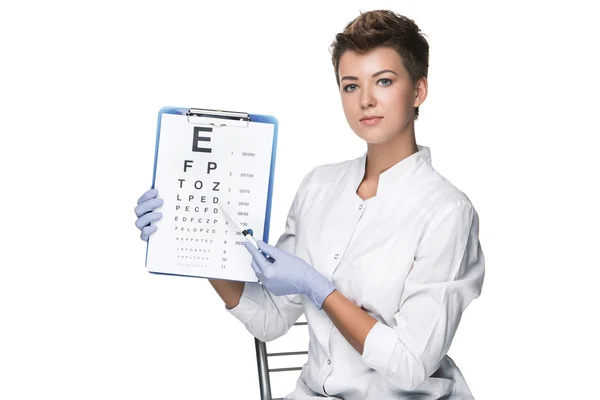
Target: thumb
{"type": "Point", "coordinates": [267, 248]}
{"type": "Point", "coordinates": [251, 249]}
{"type": "Point", "coordinates": [256, 256]}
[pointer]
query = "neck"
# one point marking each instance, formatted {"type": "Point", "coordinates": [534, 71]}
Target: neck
{"type": "Point", "coordinates": [382, 156]}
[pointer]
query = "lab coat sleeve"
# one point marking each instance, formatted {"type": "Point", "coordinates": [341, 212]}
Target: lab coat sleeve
{"type": "Point", "coordinates": [447, 274]}
{"type": "Point", "coordinates": [265, 315]}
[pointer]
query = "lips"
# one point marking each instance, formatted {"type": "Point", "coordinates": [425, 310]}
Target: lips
{"type": "Point", "coordinates": [370, 117]}
{"type": "Point", "coordinates": [370, 120]}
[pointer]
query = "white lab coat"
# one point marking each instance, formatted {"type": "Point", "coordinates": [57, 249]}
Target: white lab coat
{"type": "Point", "coordinates": [410, 257]}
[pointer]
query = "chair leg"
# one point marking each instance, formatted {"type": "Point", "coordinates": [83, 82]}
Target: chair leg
{"type": "Point", "coordinates": [263, 370]}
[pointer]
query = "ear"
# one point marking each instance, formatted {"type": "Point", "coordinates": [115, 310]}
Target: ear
{"type": "Point", "coordinates": [420, 92]}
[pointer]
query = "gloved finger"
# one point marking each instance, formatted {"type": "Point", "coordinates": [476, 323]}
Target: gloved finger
{"type": "Point", "coordinates": [251, 249]}
{"type": "Point", "coordinates": [267, 248]}
{"type": "Point", "coordinates": [150, 194]}
{"type": "Point", "coordinates": [148, 205]}
{"type": "Point", "coordinates": [258, 258]}
{"type": "Point", "coordinates": [256, 269]}
{"type": "Point", "coordinates": [146, 219]}
{"type": "Point", "coordinates": [147, 231]}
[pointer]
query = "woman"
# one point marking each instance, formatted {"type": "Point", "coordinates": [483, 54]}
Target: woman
{"type": "Point", "coordinates": [381, 253]}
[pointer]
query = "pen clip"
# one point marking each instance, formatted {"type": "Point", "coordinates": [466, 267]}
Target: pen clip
{"type": "Point", "coordinates": [268, 257]}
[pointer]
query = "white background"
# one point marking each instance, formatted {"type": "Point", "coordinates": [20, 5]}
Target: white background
{"type": "Point", "coordinates": [511, 120]}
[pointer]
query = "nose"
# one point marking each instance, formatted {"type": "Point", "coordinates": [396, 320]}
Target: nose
{"type": "Point", "coordinates": [366, 99]}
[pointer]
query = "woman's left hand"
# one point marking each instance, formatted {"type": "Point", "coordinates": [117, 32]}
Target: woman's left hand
{"type": "Point", "coordinates": [288, 274]}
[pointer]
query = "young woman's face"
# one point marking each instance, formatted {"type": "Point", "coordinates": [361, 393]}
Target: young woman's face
{"type": "Point", "coordinates": [375, 84]}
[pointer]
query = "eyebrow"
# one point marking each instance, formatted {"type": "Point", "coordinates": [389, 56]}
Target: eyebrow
{"type": "Point", "coordinates": [353, 78]}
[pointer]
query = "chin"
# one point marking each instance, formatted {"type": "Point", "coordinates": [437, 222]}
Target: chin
{"type": "Point", "coordinates": [374, 136]}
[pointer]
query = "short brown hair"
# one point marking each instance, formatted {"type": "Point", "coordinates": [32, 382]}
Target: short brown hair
{"type": "Point", "coordinates": [384, 28]}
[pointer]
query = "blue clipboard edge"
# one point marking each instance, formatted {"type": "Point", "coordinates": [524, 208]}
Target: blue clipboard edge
{"type": "Point", "coordinates": [262, 118]}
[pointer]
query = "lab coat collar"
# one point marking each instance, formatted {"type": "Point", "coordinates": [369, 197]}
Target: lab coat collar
{"type": "Point", "coordinates": [398, 174]}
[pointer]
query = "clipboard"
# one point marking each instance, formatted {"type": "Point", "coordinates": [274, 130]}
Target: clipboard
{"type": "Point", "coordinates": [223, 256]}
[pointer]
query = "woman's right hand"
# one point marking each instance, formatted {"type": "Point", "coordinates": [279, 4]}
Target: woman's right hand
{"type": "Point", "coordinates": [146, 214]}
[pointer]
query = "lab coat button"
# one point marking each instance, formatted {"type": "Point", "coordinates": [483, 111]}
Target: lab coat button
{"type": "Point", "coordinates": [336, 256]}
{"type": "Point", "coordinates": [360, 207]}
{"type": "Point", "coordinates": [328, 362]}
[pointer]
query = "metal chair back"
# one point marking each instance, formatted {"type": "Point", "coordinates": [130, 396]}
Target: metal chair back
{"type": "Point", "coordinates": [264, 372]}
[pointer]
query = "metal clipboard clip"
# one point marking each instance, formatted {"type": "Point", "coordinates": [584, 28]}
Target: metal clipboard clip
{"type": "Point", "coordinates": [201, 116]}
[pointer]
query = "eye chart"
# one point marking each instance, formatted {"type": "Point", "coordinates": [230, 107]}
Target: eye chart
{"type": "Point", "coordinates": [198, 166]}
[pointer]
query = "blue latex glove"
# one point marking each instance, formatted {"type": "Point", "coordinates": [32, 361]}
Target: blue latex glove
{"type": "Point", "coordinates": [146, 214]}
{"type": "Point", "coordinates": [289, 274]}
